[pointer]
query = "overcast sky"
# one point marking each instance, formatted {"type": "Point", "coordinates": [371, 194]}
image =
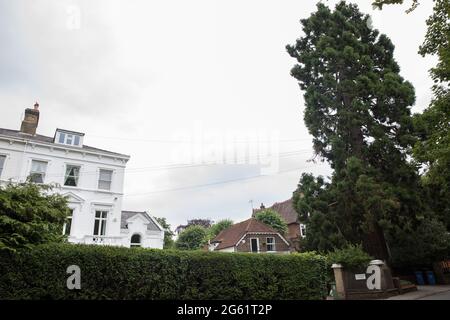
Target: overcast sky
{"type": "Point", "coordinates": [166, 81]}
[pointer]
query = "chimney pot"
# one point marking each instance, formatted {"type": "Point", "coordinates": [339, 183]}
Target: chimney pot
{"type": "Point", "coordinates": [31, 120]}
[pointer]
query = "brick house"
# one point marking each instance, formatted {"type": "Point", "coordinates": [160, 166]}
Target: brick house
{"type": "Point", "coordinates": [296, 230]}
{"type": "Point", "coordinates": [250, 236]}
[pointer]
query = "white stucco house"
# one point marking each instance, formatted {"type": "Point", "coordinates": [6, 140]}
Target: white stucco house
{"type": "Point", "coordinates": [91, 178]}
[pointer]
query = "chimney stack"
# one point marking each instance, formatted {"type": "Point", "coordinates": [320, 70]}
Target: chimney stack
{"type": "Point", "coordinates": [31, 120]}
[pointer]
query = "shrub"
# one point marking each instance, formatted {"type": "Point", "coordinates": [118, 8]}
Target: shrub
{"type": "Point", "coordinates": [218, 227]}
{"type": "Point", "coordinates": [29, 215]}
{"type": "Point", "coordinates": [351, 257]}
{"type": "Point", "coordinates": [272, 219]}
{"type": "Point", "coordinates": [122, 273]}
{"type": "Point", "coordinates": [193, 237]}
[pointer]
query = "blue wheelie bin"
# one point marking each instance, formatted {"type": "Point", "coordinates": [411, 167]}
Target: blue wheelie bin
{"type": "Point", "coordinates": [419, 278]}
{"type": "Point", "coordinates": [430, 278]}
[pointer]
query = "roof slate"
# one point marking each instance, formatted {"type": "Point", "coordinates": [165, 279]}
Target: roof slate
{"type": "Point", "coordinates": [285, 209]}
{"type": "Point", "coordinates": [40, 138]}
{"type": "Point", "coordinates": [152, 226]}
{"type": "Point", "coordinates": [230, 236]}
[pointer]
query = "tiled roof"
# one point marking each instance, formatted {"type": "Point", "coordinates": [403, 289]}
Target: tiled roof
{"type": "Point", "coordinates": [40, 138]}
{"type": "Point", "coordinates": [286, 211]}
{"type": "Point", "coordinates": [230, 236]}
{"type": "Point", "coordinates": [152, 226]}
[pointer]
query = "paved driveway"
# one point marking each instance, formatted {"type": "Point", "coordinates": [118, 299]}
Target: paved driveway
{"type": "Point", "coordinates": [438, 296]}
{"type": "Point", "coordinates": [439, 292]}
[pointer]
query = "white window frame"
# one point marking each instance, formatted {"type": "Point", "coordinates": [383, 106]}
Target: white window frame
{"type": "Point", "coordinates": [75, 138]}
{"type": "Point", "coordinates": [65, 172]}
{"type": "Point", "coordinates": [102, 222]}
{"type": "Point", "coordinates": [272, 244]}
{"type": "Point", "coordinates": [302, 227]}
{"type": "Point", "coordinates": [136, 244]}
{"type": "Point", "coordinates": [2, 168]}
{"type": "Point", "coordinates": [44, 174]}
{"type": "Point", "coordinates": [71, 223]}
{"type": "Point", "coordinates": [251, 245]}
{"type": "Point", "coordinates": [65, 137]}
{"type": "Point", "coordinates": [62, 136]}
{"type": "Point", "coordinates": [110, 182]}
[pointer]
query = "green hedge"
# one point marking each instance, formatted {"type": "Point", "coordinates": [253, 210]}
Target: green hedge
{"type": "Point", "coordinates": [122, 273]}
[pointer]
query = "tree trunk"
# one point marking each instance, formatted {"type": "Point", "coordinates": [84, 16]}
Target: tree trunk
{"type": "Point", "coordinates": [375, 244]}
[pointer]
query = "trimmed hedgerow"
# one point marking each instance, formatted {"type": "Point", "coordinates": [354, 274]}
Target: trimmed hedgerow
{"type": "Point", "coordinates": [121, 273]}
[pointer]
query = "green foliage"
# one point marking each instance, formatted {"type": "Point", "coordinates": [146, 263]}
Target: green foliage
{"type": "Point", "coordinates": [314, 203]}
{"type": "Point", "coordinates": [192, 238]}
{"type": "Point", "coordinates": [433, 150]}
{"type": "Point", "coordinates": [430, 243]}
{"type": "Point", "coordinates": [122, 273]}
{"type": "Point", "coordinates": [218, 227]}
{"type": "Point", "coordinates": [353, 91]}
{"type": "Point", "coordinates": [272, 219]}
{"type": "Point", "coordinates": [168, 234]}
{"type": "Point", "coordinates": [30, 215]}
{"type": "Point", "coordinates": [437, 41]}
{"type": "Point", "coordinates": [351, 257]}
{"type": "Point", "coordinates": [379, 4]}
{"type": "Point", "coordinates": [433, 147]}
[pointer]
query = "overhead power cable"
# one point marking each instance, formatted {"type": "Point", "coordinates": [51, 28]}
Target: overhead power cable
{"type": "Point", "coordinates": [207, 184]}
{"type": "Point", "coordinates": [181, 166]}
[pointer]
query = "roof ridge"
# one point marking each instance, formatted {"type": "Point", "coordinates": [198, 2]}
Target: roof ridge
{"type": "Point", "coordinates": [51, 140]}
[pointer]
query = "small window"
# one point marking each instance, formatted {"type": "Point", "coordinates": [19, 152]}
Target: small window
{"type": "Point", "coordinates": [62, 137]}
{"type": "Point", "coordinates": [72, 175]}
{"type": "Point", "coordinates": [67, 227]}
{"type": "Point", "coordinates": [2, 163]}
{"type": "Point", "coordinates": [302, 230]}
{"type": "Point", "coordinates": [135, 240]}
{"type": "Point", "coordinates": [37, 172]}
{"type": "Point", "coordinates": [76, 140]}
{"type": "Point", "coordinates": [270, 244]}
{"type": "Point", "coordinates": [254, 245]}
{"type": "Point", "coordinates": [105, 179]}
{"type": "Point", "coordinates": [70, 139]}
{"type": "Point", "coordinates": [100, 223]}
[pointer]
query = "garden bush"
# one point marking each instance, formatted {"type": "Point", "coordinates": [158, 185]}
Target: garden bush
{"type": "Point", "coordinates": [352, 257]}
{"type": "Point", "coordinates": [122, 273]}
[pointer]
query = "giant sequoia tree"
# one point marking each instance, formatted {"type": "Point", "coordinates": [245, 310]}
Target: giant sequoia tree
{"type": "Point", "coordinates": [357, 108]}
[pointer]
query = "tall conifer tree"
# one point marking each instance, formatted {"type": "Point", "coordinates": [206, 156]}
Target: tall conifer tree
{"type": "Point", "coordinates": [357, 108]}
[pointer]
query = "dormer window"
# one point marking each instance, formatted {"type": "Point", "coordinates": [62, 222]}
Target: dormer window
{"type": "Point", "coordinates": [69, 138]}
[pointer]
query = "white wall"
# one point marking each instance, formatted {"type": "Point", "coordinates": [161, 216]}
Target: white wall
{"type": "Point", "coordinates": [138, 225]}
